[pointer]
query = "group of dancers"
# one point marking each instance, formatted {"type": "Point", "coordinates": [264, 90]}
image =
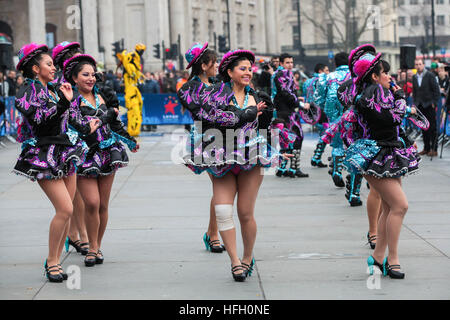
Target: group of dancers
{"type": "Point", "coordinates": [72, 145]}
{"type": "Point", "coordinates": [359, 111]}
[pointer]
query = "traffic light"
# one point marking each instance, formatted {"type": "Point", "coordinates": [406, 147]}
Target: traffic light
{"type": "Point", "coordinates": [167, 54]}
{"type": "Point", "coordinates": [174, 51]}
{"type": "Point", "coordinates": [223, 44]}
{"type": "Point", "coordinates": [157, 51]}
{"type": "Point", "coordinates": [116, 48]}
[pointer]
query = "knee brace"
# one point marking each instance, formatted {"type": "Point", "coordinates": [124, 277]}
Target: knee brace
{"type": "Point", "coordinates": [224, 216]}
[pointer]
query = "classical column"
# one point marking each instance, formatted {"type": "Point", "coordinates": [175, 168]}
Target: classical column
{"type": "Point", "coordinates": [106, 27]}
{"type": "Point", "coordinates": [271, 27]}
{"type": "Point", "coordinates": [36, 21]}
{"type": "Point", "coordinates": [90, 27]}
{"type": "Point", "coordinates": [156, 30]}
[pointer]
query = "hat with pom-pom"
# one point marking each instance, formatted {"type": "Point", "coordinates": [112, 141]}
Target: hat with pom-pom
{"type": "Point", "coordinates": [194, 53]}
{"type": "Point", "coordinates": [28, 52]}
{"type": "Point", "coordinates": [61, 49]}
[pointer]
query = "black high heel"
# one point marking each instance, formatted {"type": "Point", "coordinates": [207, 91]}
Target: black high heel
{"type": "Point", "coordinates": [370, 239]}
{"type": "Point", "coordinates": [90, 262]}
{"type": "Point", "coordinates": [84, 247]}
{"type": "Point", "coordinates": [75, 244]}
{"type": "Point", "coordinates": [212, 245]}
{"type": "Point", "coordinates": [53, 277]}
{"type": "Point", "coordinates": [97, 259]}
{"type": "Point", "coordinates": [62, 273]}
{"type": "Point", "coordinates": [371, 262]}
{"type": "Point", "coordinates": [239, 277]}
{"type": "Point", "coordinates": [249, 267]}
{"type": "Point", "coordinates": [390, 270]}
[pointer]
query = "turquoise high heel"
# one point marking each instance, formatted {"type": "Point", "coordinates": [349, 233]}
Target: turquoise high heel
{"type": "Point", "coordinates": [212, 246]}
{"type": "Point", "coordinates": [249, 267]}
{"type": "Point", "coordinates": [371, 262]}
{"type": "Point", "coordinates": [66, 244]}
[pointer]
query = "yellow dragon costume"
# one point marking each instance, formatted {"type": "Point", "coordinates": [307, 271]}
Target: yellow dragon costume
{"type": "Point", "coordinates": [131, 62]}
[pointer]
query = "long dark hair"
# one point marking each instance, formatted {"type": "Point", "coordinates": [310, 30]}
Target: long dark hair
{"type": "Point", "coordinates": [207, 56]}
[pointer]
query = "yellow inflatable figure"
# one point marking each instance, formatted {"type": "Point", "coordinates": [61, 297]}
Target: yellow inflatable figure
{"type": "Point", "coordinates": [131, 62]}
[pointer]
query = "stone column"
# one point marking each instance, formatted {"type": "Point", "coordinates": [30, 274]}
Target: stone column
{"type": "Point", "coordinates": [157, 30]}
{"type": "Point", "coordinates": [106, 27]}
{"type": "Point", "coordinates": [36, 21]}
{"type": "Point", "coordinates": [90, 27]}
{"type": "Point", "coordinates": [271, 27]}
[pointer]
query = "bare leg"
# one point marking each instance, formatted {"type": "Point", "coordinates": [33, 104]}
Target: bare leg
{"type": "Point", "coordinates": [88, 188]}
{"type": "Point", "coordinates": [59, 196]}
{"type": "Point", "coordinates": [79, 215]}
{"type": "Point", "coordinates": [395, 206]}
{"type": "Point", "coordinates": [71, 185]}
{"type": "Point", "coordinates": [373, 211]}
{"type": "Point", "coordinates": [104, 188]}
{"type": "Point", "coordinates": [248, 187]}
{"type": "Point", "coordinates": [224, 190]}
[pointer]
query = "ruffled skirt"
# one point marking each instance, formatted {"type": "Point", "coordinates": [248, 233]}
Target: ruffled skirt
{"type": "Point", "coordinates": [218, 160]}
{"type": "Point", "coordinates": [103, 162]}
{"type": "Point", "coordinates": [367, 157]}
{"type": "Point", "coordinates": [53, 161]}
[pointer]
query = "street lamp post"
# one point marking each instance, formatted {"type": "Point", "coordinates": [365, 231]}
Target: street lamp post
{"type": "Point", "coordinates": [300, 51]}
{"type": "Point", "coordinates": [433, 36]}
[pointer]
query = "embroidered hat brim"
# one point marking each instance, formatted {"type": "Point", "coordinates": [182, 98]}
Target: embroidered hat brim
{"type": "Point", "coordinates": [233, 55]}
{"type": "Point", "coordinates": [198, 55]}
{"type": "Point", "coordinates": [70, 64]}
{"type": "Point", "coordinates": [31, 54]}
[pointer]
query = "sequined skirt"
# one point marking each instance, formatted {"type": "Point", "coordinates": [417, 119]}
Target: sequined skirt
{"type": "Point", "coordinates": [103, 162]}
{"type": "Point", "coordinates": [382, 161]}
{"type": "Point", "coordinates": [52, 161]}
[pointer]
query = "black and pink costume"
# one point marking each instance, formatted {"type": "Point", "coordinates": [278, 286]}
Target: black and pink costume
{"type": "Point", "coordinates": [50, 149]}
{"type": "Point", "coordinates": [286, 103]}
{"type": "Point", "coordinates": [210, 147]}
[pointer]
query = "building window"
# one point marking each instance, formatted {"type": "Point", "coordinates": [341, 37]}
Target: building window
{"type": "Point", "coordinates": [401, 21]}
{"type": "Point", "coordinates": [211, 31]}
{"type": "Point", "coordinates": [50, 33]}
{"type": "Point", "coordinates": [439, 1]}
{"type": "Point", "coordinates": [401, 2]}
{"type": "Point", "coordinates": [328, 4]}
{"type": "Point", "coordinates": [413, 2]}
{"type": "Point", "coordinates": [195, 30]}
{"type": "Point", "coordinates": [239, 33]}
{"type": "Point", "coordinates": [252, 35]}
{"type": "Point", "coordinates": [440, 20]}
{"type": "Point", "coordinates": [415, 20]}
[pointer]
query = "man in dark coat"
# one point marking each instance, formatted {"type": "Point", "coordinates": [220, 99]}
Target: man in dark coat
{"type": "Point", "coordinates": [425, 96]}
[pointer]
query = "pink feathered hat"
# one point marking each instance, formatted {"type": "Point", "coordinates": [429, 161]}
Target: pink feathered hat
{"type": "Point", "coordinates": [194, 53]}
{"type": "Point", "coordinates": [357, 53]}
{"type": "Point", "coordinates": [233, 55]}
{"type": "Point", "coordinates": [61, 49]}
{"type": "Point", "coordinates": [70, 64]}
{"type": "Point", "coordinates": [364, 64]}
{"type": "Point", "coordinates": [28, 51]}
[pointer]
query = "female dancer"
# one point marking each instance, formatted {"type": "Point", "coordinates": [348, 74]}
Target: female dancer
{"type": "Point", "coordinates": [234, 168]}
{"type": "Point", "coordinates": [381, 155]}
{"type": "Point", "coordinates": [51, 152]}
{"type": "Point", "coordinates": [77, 236]}
{"type": "Point", "coordinates": [106, 153]}
{"type": "Point", "coordinates": [203, 62]}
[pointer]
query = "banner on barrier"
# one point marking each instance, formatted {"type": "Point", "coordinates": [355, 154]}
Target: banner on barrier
{"type": "Point", "coordinates": [8, 125]}
{"type": "Point", "coordinates": [161, 109]}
